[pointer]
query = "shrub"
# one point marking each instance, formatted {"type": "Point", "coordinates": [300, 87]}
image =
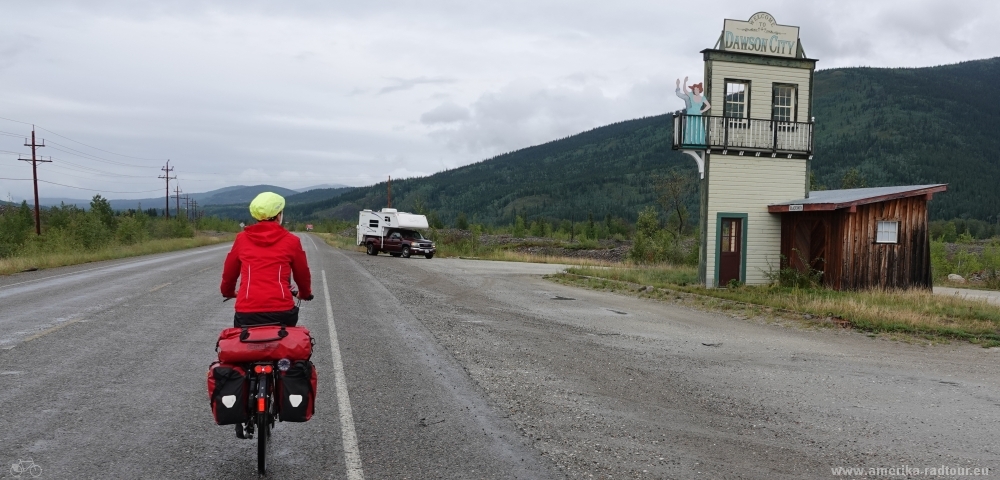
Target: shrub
{"type": "Point", "coordinates": [15, 228]}
{"type": "Point", "coordinates": [173, 228]}
{"type": "Point", "coordinates": [130, 231]}
{"type": "Point", "coordinates": [789, 277]}
{"type": "Point", "coordinates": [89, 231]}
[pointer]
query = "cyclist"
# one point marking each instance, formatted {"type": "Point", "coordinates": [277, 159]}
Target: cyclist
{"type": "Point", "coordinates": [264, 257]}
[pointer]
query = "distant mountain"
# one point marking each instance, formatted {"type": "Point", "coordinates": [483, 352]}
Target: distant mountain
{"type": "Point", "coordinates": [243, 194]}
{"type": "Point", "coordinates": [221, 196]}
{"type": "Point", "coordinates": [317, 194]}
{"type": "Point", "coordinates": [324, 186]}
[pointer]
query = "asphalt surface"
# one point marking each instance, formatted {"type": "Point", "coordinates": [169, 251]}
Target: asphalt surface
{"type": "Point", "coordinates": [468, 369]}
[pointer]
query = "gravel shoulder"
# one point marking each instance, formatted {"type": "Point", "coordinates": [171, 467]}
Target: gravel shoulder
{"type": "Point", "coordinates": [612, 386]}
{"type": "Point", "coordinates": [991, 296]}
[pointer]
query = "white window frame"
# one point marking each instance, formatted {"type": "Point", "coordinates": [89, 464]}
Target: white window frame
{"type": "Point", "coordinates": [783, 102]}
{"type": "Point", "coordinates": [743, 105]}
{"type": "Point", "coordinates": [884, 234]}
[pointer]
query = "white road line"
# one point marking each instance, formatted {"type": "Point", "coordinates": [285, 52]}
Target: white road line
{"type": "Point", "coordinates": [352, 455]}
{"type": "Point", "coordinates": [107, 267]}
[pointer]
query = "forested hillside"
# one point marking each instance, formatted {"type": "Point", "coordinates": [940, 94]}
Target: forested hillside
{"type": "Point", "coordinates": [891, 126]}
{"type": "Point", "coordinates": [905, 126]}
{"type": "Point", "coordinates": [604, 171]}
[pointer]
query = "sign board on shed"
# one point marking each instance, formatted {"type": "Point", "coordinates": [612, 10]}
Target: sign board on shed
{"type": "Point", "coordinates": [761, 35]}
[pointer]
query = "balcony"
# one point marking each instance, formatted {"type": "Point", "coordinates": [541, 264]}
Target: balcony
{"type": "Point", "coordinates": [739, 136]}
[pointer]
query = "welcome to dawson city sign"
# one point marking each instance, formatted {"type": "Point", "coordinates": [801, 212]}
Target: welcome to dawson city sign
{"type": "Point", "coordinates": [761, 34]}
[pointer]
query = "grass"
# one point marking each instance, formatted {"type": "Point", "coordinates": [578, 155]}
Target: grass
{"type": "Point", "coordinates": [52, 260]}
{"type": "Point", "coordinates": [339, 241]}
{"type": "Point", "coordinates": [912, 312]}
{"type": "Point", "coordinates": [481, 253]}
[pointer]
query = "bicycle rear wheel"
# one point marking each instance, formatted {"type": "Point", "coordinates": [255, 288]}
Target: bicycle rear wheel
{"type": "Point", "coordinates": [263, 435]}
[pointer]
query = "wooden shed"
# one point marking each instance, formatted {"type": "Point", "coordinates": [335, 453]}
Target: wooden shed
{"type": "Point", "coordinates": [860, 238]}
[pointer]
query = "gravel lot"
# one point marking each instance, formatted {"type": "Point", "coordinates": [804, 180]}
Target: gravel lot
{"type": "Point", "coordinates": [612, 386]}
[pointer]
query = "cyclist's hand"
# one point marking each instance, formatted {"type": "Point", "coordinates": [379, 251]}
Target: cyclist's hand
{"type": "Point", "coordinates": [306, 298]}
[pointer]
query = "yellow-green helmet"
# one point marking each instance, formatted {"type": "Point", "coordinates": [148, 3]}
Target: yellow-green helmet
{"type": "Point", "coordinates": [267, 205]}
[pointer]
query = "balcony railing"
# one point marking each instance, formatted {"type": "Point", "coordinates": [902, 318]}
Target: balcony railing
{"type": "Point", "coordinates": [701, 132]}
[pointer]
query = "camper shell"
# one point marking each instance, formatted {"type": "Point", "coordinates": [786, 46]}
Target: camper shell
{"type": "Point", "coordinates": [395, 232]}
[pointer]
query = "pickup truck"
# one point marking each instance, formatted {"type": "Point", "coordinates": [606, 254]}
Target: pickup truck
{"type": "Point", "coordinates": [395, 232]}
{"type": "Point", "coordinates": [401, 243]}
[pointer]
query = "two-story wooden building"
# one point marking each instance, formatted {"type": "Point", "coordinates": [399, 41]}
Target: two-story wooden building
{"type": "Point", "coordinates": [754, 148]}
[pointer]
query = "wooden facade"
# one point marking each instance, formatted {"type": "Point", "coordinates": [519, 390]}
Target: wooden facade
{"type": "Point", "coordinates": [842, 244]}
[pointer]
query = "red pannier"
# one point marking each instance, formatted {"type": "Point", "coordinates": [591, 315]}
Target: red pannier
{"type": "Point", "coordinates": [228, 392]}
{"type": "Point", "coordinates": [297, 392]}
{"type": "Point", "coordinates": [264, 343]}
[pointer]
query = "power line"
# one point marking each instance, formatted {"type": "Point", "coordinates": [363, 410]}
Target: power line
{"type": "Point", "coordinates": [81, 143]}
{"type": "Point", "coordinates": [89, 156]}
{"type": "Point", "coordinates": [79, 188]}
{"type": "Point", "coordinates": [99, 171]}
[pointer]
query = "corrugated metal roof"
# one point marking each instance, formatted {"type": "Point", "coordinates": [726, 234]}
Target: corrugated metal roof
{"type": "Point", "coordinates": [851, 195]}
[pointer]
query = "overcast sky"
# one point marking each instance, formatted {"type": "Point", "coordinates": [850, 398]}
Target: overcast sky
{"type": "Point", "coordinates": [299, 93]}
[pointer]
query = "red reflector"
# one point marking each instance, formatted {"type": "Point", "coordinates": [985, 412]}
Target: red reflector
{"type": "Point", "coordinates": [260, 404]}
{"type": "Point", "coordinates": [263, 369]}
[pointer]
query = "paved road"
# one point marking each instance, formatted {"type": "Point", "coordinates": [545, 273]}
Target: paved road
{"type": "Point", "coordinates": [102, 374]}
{"type": "Point", "coordinates": [467, 369]}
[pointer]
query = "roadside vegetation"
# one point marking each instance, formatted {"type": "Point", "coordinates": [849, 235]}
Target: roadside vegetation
{"type": "Point", "coordinates": [976, 261]}
{"type": "Point", "coordinates": [72, 235]}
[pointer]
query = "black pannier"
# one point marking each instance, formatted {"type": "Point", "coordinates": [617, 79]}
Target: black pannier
{"type": "Point", "coordinates": [228, 391]}
{"type": "Point", "coordinates": [297, 392]}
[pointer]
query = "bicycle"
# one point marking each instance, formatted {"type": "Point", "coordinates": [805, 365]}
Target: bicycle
{"type": "Point", "coordinates": [262, 381]}
{"type": "Point", "coordinates": [262, 378]}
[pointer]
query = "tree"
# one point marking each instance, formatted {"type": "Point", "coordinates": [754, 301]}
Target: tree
{"type": "Point", "coordinates": [461, 222]}
{"type": "Point", "coordinates": [853, 179]}
{"type": "Point", "coordinates": [519, 227]}
{"type": "Point", "coordinates": [101, 208]}
{"type": "Point", "coordinates": [434, 220]}
{"type": "Point", "coordinates": [672, 189]}
{"type": "Point", "coordinates": [814, 184]}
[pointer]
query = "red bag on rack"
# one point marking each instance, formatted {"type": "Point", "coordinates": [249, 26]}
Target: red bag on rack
{"type": "Point", "coordinates": [264, 343]}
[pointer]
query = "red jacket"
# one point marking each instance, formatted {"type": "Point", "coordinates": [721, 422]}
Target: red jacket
{"type": "Point", "coordinates": [263, 257]}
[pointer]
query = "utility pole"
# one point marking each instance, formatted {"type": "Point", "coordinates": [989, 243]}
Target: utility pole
{"type": "Point", "coordinates": [178, 197]}
{"type": "Point", "coordinates": [194, 205]}
{"type": "Point", "coordinates": [390, 191]}
{"type": "Point", "coordinates": [166, 175]}
{"type": "Point", "coordinates": [187, 206]}
{"type": "Point", "coordinates": [34, 173]}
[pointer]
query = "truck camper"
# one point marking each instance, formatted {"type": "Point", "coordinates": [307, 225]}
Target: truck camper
{"type": "Point", "coordinates": [394, 232]}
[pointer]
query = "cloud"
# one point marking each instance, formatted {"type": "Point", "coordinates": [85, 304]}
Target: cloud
{"type": "Point", "coordinates": [401, 84]}
{"type": "Point", "coordinates": [529, 112]}
{"type": "Point", "coordinates": [445, 113]}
